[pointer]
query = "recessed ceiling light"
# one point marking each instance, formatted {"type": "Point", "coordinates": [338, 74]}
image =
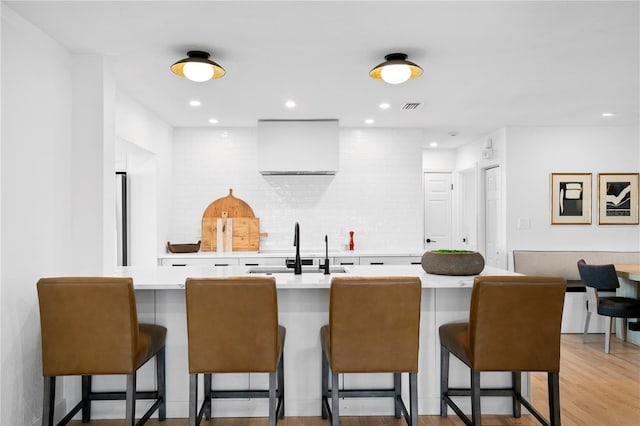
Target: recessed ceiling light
{"type": "Point", "coordinates": [369, 121]}
{"type": "Point", "coordinates": [195, 103]}
{"type": "Point", "coordinates": [433, 144]}
{"type": "Point", "coordinates": [384, 105]}
{"type": "Point", "coordinates": [290, 104]}
{"type": "Point", "coordinates": [608, 114]}
{"type": "Point", "coordinates": [213, 120]}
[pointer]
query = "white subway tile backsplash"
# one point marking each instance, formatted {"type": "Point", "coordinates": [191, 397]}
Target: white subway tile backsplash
{"type": "Point", "coordinates": [377, 193]}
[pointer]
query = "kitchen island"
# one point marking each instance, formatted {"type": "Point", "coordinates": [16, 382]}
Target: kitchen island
{"type": "Point", "coordinates": [303, 302]}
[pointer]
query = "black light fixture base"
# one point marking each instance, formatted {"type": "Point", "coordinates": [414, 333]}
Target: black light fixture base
{"type": "Point", "coordinates": [198, 54]}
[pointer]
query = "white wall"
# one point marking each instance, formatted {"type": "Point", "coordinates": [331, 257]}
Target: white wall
{"type": "Point", "coordinates": [536, 152]}
{"type": "Point", "coordinates": [528, 155]}
{"type": "Point", "coordinates": [439, 160]}
{"type": "Point", "coordinates": [143, 150]}
{"type": "Point", "coordinates": [93, 184]}
{"type": "Point", "coordinates": [470, 155]}
{"type": "Point", "coordinates": [470, 159]}
{"type": "Point", "coordinates": [377, 193]}
{"type": "Point", "coordinates": [36, 202]}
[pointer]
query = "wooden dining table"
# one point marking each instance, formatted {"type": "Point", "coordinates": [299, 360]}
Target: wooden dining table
{"type": "Point", "coordinates": [629, 278]}
{"type": "Point", "coordinates": [629, 271]}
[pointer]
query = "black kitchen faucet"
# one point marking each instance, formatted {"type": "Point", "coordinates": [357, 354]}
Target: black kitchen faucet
{"type": "Point", "coordinates": [297, 266]}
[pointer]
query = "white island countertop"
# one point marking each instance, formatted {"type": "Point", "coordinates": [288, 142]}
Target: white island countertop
{"type": "Point", "coordinates": [173, 277]}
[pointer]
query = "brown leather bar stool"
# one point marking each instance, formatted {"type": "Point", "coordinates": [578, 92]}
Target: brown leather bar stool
{"type": "Point", "coordinates": [232, 325]}
{"type": "Point", "coordinates": [374, 327]}
{"type": "Point", "coordinates": [514, 325]}
{"type": "Point", "coordinates": [90, 327]}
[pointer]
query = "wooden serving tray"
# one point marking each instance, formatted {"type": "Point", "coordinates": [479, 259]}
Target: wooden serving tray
{"type": "Point", "coordinates": [230, 214]}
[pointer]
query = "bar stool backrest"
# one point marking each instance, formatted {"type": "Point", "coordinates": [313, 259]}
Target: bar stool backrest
{"type": "Point", "coordinates": [374, 324]}
{"type": "Point", "coordinates": [89, 325]}
{"type": "Point", "coordinates": [515, 322]}
{"type": "Point", "coordinates": [232, 324]}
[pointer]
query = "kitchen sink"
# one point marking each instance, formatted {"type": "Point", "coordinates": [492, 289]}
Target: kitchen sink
{"type": "Point", "coordinates": [284, 270]}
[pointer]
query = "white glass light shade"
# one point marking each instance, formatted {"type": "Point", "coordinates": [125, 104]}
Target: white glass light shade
{"type": "Point", "coordinates": [197, 67]}
{"type": "Point", "coordinates": [396, 73]}
{"type": "Point", "coordinates": [396, 69]}
{"type": "Point", "coordinates": [198, 71]}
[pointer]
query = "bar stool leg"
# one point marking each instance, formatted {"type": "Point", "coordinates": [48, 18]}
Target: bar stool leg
{"type": "Point", "coordinates": [413, 398]}
{"type": "Point", "coordinates": [476, 415]}
{"type": "Point", "coordinates": [161, 379]}
{"type": "Point", "coordinates": [325, 384]}
{"type": "Point", "coordinates": [48, 400]}
{"type": "Point", "coordinates": [335, 405]}
{"type": "Point", "coordinates": [207, 396]}
{"type": "Point", "coordinates": [86, 401]}
{"type": "Point", "coordinates": [131, 400]}
{"type": "Point", "coordinates": [273, 401]}
{"type": "Point", "coordinates": [193, 399]}
{"type": "Point", "coordinates": [553, 380]}
{"type": "Point", "coordinates": [444, 379]}
{"type": "Point", "coordinates": [397, 390]}
{"type": "Point", "coordinates": [516, 381]}
{"type": "Point", "coordinates": [281, 385]}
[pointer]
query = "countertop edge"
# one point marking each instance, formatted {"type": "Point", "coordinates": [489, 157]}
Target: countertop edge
{"type": "Point", "coordinates": [173, 278]}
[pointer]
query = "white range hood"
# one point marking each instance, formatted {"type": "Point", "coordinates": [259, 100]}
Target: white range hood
{"type": "Point", "coordinates": [298, 147]}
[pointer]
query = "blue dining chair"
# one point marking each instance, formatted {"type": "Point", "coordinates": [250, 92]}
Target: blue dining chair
{"type": "Point", "coordinates": [604, 278]}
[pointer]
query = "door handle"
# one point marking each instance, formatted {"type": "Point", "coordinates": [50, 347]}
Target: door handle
{"type": "Point", "coordinates": [429, 240]}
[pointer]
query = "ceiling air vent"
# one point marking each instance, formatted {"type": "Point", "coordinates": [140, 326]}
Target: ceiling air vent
{"type": "Point", "coordinates": [411, 105]}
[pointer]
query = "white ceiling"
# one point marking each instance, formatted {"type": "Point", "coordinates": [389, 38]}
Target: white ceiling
{"type": "Point", "coordinates": [486, 64]}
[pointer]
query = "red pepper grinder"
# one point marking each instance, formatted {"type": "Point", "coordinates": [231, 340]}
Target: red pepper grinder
{"type": "Point", "coordinates": [351, 240]}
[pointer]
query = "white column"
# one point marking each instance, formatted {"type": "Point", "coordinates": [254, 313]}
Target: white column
{"type": "Point", "coordinates": [93, 201]}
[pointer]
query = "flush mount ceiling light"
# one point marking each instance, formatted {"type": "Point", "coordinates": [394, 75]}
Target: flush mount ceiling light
{"type": "Point", "coordinates": [197, 67]}
{"type": "Point", "coordinates": [396, 69]}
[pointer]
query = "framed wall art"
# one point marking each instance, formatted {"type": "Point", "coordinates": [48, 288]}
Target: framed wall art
{"type": "Point", "coordinates": [570, 198]}
{"type": "Point", "coordinates": [618, 198]}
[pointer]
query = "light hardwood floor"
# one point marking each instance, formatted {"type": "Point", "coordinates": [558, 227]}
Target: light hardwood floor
{"type": "Point", "coordinates": [596, 389]}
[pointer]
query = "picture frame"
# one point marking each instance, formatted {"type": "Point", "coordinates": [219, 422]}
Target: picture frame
{"type": "Point", "coordinates": [571, 198]}
{"type": "Point", "coordinates": [618, 199]}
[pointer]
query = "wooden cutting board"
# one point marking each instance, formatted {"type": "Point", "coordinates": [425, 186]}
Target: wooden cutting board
{"type": "Point", "coordinates": [235, 217]}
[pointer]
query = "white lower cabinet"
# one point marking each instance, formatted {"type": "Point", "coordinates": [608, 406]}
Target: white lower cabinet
{"type": "Point", "coordinates": [389, 260]}
{"type": "Point", "coordinates": [346, 261]}
{"type": "Point", "coordinates": [262, 261]}
{"type": "Point", "coordinates": [257, 260]}
{"type": "Point", "coordinates": [189, 261]}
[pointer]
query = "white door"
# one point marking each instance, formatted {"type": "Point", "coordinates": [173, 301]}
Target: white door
{"type": "Point", "coordinates": [437, 211]}
{"type": "Point", "coordinates": [467, 209]}
{"type": "Point", "coordinates": [493, 218]}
